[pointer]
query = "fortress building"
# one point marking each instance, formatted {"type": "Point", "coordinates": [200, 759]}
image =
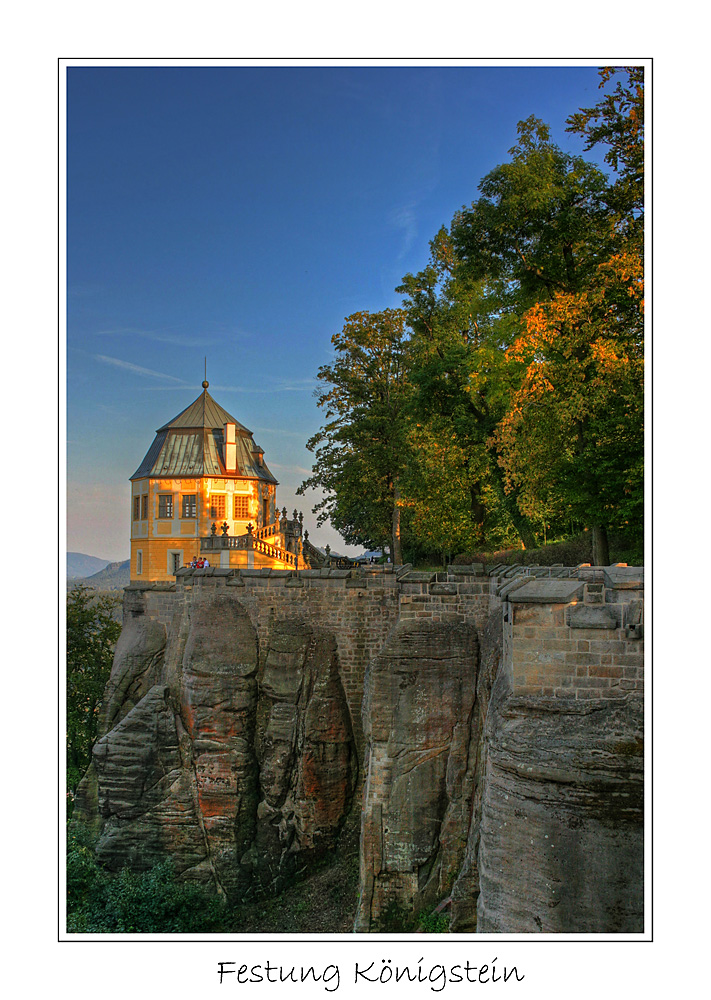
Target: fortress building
{"type": "Point", "coordinates": [204, 490]}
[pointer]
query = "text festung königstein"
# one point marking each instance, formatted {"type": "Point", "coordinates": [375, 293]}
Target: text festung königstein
{"type": "Point", "coordinates": [437, 975]}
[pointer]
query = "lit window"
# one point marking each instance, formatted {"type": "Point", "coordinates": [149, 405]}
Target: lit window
{"type": "Point", "coordinates": [165, 505]}
{"type": "Point", "coordinates": [189, 506]}
{"type": "Point", "coordinates": [144, 507]}
{"type": "Point", "coordinates": [139, 562]}
{"type": "Point", "coordinates": [136, 508]}
{"type": "Point", "coordinates": [217, 505]}
{"type": "Point", "coordinates": [241, 508]}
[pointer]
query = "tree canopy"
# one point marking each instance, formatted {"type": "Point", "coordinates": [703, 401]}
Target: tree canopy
{"type": "Point", "coordinates": [506, 395]}
{"type": "Point", "coordinates": [92, 631]}
{"type": "Point", "coordinates": [360, 450]}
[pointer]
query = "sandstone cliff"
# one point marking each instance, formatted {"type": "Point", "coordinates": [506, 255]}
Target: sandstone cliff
{"type": "Point", "coordinates": [234, 766]}
{"type": "Point", "coordinates": [500, 740]}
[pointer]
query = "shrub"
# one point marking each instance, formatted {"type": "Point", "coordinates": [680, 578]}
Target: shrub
{"type": "Point", "coordinates": [152, 902]}
{"type": "Point", "coordinates": [570, 552]}
{"type": "Point", "coordinates": [434, 923]}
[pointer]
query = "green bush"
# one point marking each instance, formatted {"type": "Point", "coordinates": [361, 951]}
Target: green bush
{"type": "Point", "coordinates": [570, 552]}
{"type": "Point", "coordinates": [152, 902]}
{"type": "Point", "coordinates": [434, 923]}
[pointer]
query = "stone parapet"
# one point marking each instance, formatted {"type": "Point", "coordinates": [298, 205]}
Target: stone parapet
{"type": "Point", "coordinates": [574, 639]}
{"type": "Point", "coordinates": [569, 632]}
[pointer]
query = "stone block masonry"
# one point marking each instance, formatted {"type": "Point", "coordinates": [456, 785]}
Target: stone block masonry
{"type": "Point", "coordinates": [569, 632]}
{"type": "Point", "coordinates": [574, 639]}
{"type": "Point", "coordinates": [358, 609]}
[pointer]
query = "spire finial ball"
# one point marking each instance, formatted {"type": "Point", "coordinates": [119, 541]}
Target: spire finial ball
{"type": "Point", "coordinates": [205, 384]}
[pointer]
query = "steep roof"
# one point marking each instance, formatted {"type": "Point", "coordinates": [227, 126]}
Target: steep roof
{"type": "Point", "coordinates": [205, 412]}
{"type": "Point", "coordinates": [192, 445]}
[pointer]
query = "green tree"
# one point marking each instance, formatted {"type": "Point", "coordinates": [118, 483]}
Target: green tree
{"type": "Point", "coordinates": [459, 391]}
{"type": "Point", "coordinates": [547, 240]}
{"type": "Point", "coordinates": [360, 453]}
{"type": "Point", "coordinates": [92, 631]}
{"type": "Point", "coordinates": [617, 121]}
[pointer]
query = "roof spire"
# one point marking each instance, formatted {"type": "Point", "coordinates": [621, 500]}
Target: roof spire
{"type": "Point", "coordinates": [205, 383]}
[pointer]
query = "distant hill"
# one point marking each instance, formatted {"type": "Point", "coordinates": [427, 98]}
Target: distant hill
{"type": "Point", "coordinates": [80, 565]}
{"type": "Point", "coordinates": [114, 576]}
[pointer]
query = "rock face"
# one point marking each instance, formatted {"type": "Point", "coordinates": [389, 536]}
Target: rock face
{"type": "Point", "coordinates": [503, 765]}
{"type": "Point", "coordinates": [561, 821]}
{"type": "Point", "coordinates": [527, 812]}
{"type": "Point", "coordinates": [305, 749]}
{"type": "Point", "coordinates": [417, 798]}
{"type": "Point", "coordinates": [181, 770]}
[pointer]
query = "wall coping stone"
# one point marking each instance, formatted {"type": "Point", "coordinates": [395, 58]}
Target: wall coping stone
{"type": "Point", "coordinates": [507, 588]}
{"type": "Point", "coordinates": [624, 577]}
{"type": "Point", "coordinates": [547, 591]}
{"type": "Point", "coordinates": [473, 569]}
{"type": "Point", "coordinates": [512, 571]}
{"type": "Point", "coordinates": [589, 616]}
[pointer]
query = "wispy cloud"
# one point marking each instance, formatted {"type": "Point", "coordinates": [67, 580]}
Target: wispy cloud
{"type": "Point", "coordinates": [404, 219]}
{"type": "Point", "coordinates": [276, 385]}
{"type": "Point", "coordinates": [136, 369]}
{"type": "Point", "coordinates": [159, 336]}
{"type": "Point", "coordinates": [279, 385]}
{"type": "Point", "coordinates": [295, 384]}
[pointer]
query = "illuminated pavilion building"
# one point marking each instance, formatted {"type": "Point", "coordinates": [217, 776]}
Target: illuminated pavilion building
{"type": "Point", "coordinates": [203, 489]}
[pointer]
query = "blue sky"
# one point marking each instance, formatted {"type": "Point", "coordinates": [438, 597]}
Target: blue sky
{"type": "Point", "coordinates": [242, 213]}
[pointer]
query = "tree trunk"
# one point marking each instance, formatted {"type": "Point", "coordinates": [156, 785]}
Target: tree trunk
{"type": "Point", "coordinates": [396, 546]}
{"type": "Point", "coordinates": [600, 549]}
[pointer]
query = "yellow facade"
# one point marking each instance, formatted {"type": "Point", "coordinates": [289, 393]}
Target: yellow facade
{"type": "Point", "coordinates": [203, 490]}
{"type": "Point", "coordinates": [170, 516]}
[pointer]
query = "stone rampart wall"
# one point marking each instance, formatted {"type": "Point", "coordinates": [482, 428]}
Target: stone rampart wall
{"type": "Point", "coordinates": [579, 637]}
{"type": "Point", "coordinates": [358, 609]}
{"type": "Point", "coordinates": [568, 632]}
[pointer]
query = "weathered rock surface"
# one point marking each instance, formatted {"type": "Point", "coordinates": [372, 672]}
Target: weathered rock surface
{"type": "Point", "coordinates": [138, 662]}
{"type": "Point", "coordinates": [305, 748]}
{"type": "Point", "coordinates": [227, 745]}
{"type": "Point", "coordinates": [527, 812]}
{"type": "Point", "coordinates": [144, 793]}
{"type": "Point", "coordinates": [556, 835]}
{"type": "Point", "coordinates": [561, 846]}
{"type": "Point", "coordinates": [416, 801]}
{"type": "Point", "coordinates": [465, 892]}
{"type": "Point", "coordinates": [182, 771]}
